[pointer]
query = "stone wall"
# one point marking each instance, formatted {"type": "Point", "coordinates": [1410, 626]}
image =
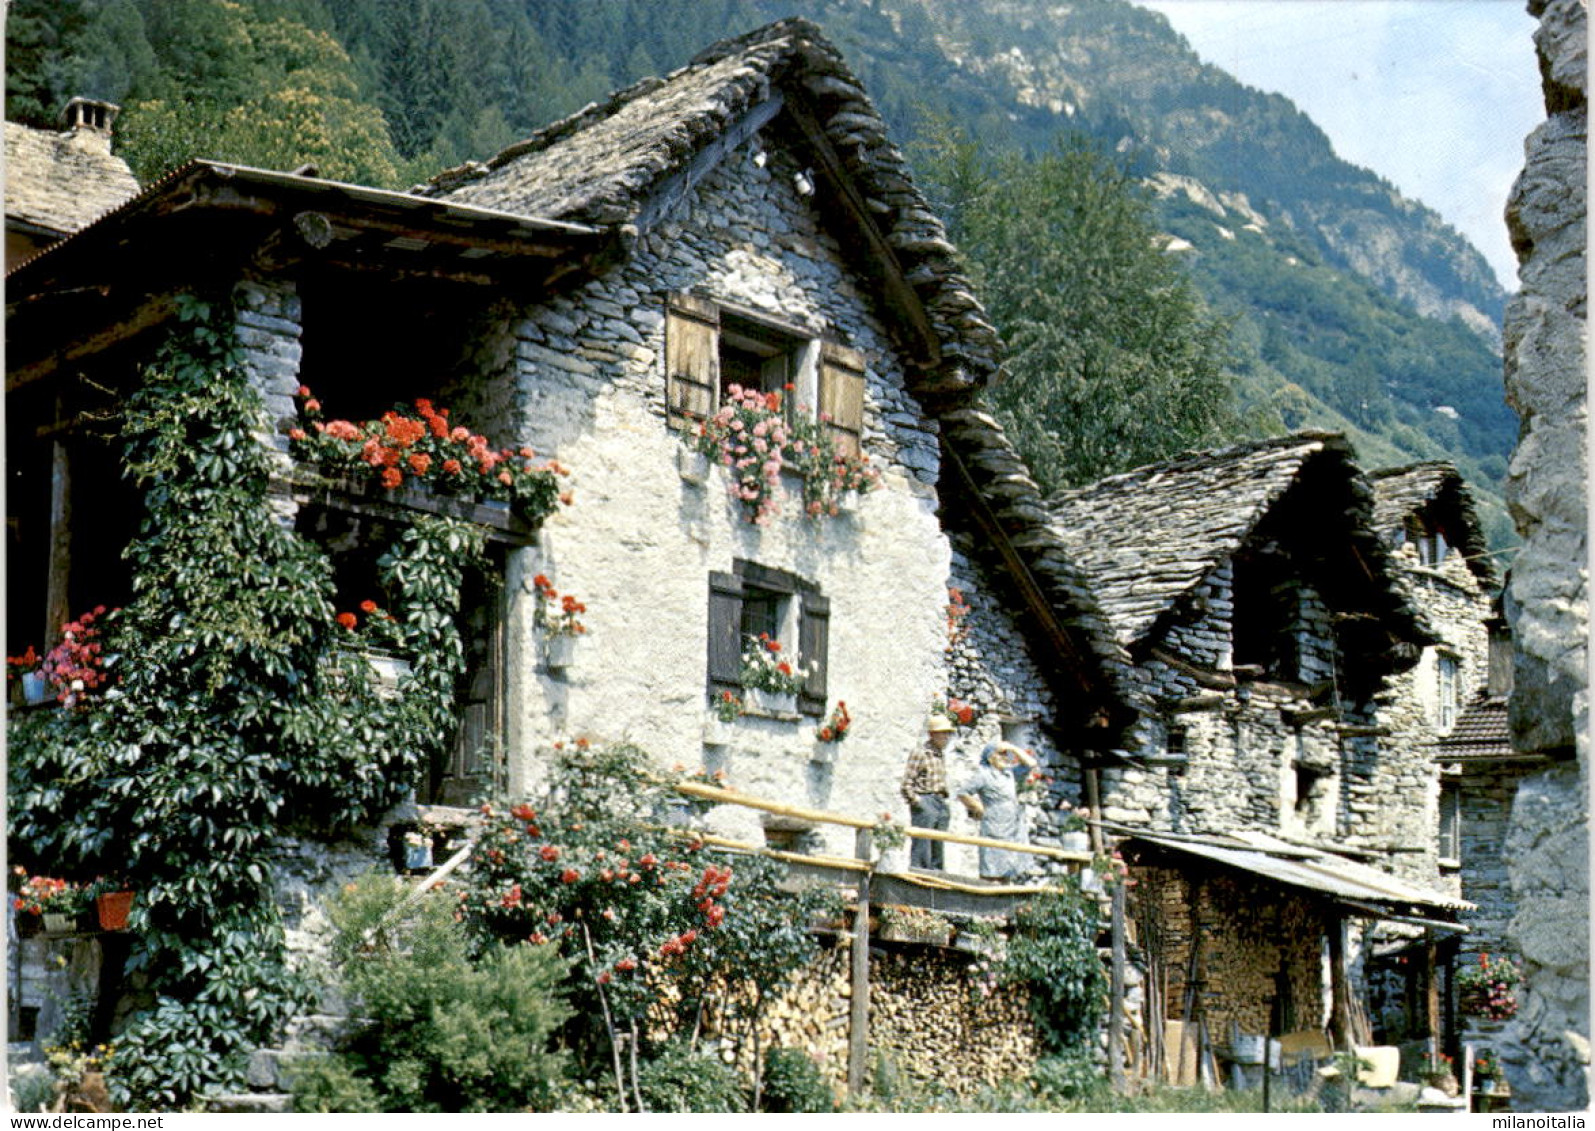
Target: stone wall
{"type": "Point", "coordinates": [586, 382]}
{"type": "Point", "coordinates": [1405, 782]}
{"type": "Point", "coordinates": [1547, 849]}
{"type": "Point", "coordinates": [991, 668]}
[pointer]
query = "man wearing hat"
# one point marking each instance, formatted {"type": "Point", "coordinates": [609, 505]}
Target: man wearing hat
{"type": "Point", "coordinates": [925, 790]}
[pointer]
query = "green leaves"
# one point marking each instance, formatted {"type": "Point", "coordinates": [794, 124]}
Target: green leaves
{"type": "Point", "coordinates": [1113, 361]}
{"type": "Point", "coordinates": [236, 712]}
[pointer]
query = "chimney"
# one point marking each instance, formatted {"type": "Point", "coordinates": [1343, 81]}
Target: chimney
{"type": "Point", "coordinates": [89, 122]}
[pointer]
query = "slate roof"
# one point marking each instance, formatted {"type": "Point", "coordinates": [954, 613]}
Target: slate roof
{"type": "Point", "coordinates": [607, 164]}
{"type": "Point", "coordinates": [1400, 492]}
{"type": "Point", "coordinates": [60, 182]}
{"type": "Point", "coordinates": [1146, 537]}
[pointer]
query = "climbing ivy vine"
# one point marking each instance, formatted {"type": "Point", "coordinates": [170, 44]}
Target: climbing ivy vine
{"type": "Point", "coordinates": [241, 707]}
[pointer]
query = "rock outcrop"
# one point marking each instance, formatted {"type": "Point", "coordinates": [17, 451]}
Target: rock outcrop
{"type": "Point", "coordinates": [1547, 848]}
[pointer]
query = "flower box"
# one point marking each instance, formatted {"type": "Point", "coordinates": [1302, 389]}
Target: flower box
{"type": "Point", "coordinates": [934, 936]}
{"type": "Point", "coordinates": [59, 923]}
{"type": "Point", "coordinates": [390, 670]}
{"type": "Point", "coordinates": [112, 909]}
{"type": "Point", "coordinates": [848, 502]}
{"type": "Point", "coordinates": [771, 702]}
{"type": "Point", "coordinates": [692, 466]}
{"type": "Point", "coordinates": [717, 731]}
{"type": "Point", "coordinates": [558, 651]}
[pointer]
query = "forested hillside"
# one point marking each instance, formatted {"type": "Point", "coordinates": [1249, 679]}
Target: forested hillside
{"type": "Point", "coordinates": [1349, 307]}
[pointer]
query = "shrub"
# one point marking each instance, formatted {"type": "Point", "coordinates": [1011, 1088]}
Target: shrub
{"type": "Point", "coordinates": [438, 1030]}
{"type": "Point", "coordinates": [1053, 954]}
{"type": "Point", "coordinates": [793, 1083]}
{"type": "Point", "coordinates": [676, 1079]}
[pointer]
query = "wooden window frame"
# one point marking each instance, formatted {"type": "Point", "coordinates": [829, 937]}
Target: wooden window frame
{"type": "Point", "coordinates": [694, 328]}
{"type": "Point", "coordinates": [810, 634]}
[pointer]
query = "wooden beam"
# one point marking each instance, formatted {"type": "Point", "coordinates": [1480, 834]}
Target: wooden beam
{"type": "Point", "coordinates": [1116, 994]}
{"type": "Point", "coordinates": [675, 189]}
{"type": "Point", "coordinates": [72, 347]}
{"type": "Point", "coordinates": [858, 1013]}
{"type": "Point", "coordinates": [894, 280]}
{"type": "Point", "coordinates": [58, 599]}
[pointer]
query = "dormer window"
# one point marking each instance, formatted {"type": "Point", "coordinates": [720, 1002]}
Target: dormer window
{"type": "Point", "coordinates": [711, 346]}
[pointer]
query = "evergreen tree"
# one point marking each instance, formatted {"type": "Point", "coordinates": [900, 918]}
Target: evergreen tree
{"type": "Point", "coordinates": [1112, 360]}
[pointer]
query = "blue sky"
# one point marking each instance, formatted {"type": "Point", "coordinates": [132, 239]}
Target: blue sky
{"type": "Point", "coordinates": [1436, 96]}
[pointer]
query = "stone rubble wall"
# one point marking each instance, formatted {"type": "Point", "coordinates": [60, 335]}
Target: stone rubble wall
{"type": "Point", "coordinates": [991, 668]}
{"type": "Point", "coordinates": [1486, 809]}
{"type": "Point", "coordinates": [1547, 849]}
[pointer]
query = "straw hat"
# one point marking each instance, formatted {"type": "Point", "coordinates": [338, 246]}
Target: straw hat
{"type": "Point", "coordinates": [940, 722]}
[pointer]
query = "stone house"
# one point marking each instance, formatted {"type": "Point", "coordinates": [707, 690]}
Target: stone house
{"type": "Point", "coordinates": [592, 293]}
{"type": "Point", "coordinates": [1260, 788]}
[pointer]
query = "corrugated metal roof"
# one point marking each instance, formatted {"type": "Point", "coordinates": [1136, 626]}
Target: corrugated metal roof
{"type": "Point", "coordinates": [1323, 872]}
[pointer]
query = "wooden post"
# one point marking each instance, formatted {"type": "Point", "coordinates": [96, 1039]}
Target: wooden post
{"type": "Point", "coordinates": [1093, 800]}
{"type": "Point", "coordinates": [57, 601]}
{"type": "Point", "coordinates": [858, 1019]}
{"type": "Point", "coordinates": [1339, 988]}
{"type": "Point", "coordinates": [1116, 994]}
{"type": "Point", "coordinates": [1431, 971]}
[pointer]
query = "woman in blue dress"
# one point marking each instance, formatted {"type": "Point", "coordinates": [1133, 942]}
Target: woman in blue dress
{"type": "Point", "coordinates": [992, 797]}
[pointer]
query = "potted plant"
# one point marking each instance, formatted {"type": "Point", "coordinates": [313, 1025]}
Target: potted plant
{"type": "Point", "coordinates": [1487, 1071]}
{"type": "Point", "coordinates": [724, 711]}
{"type": "Point", "coordinates": [113, 902]}
{"type": "Point", "coordinates": [770, 681]}
{"type": "Point", "coordinates": [829, 734]}
{"type": "Point", "coordinates": [1488, 988]}
{"type": "Point", "coordinates": [559, 619]}
{"type": "Point", "coordinates": [1073, 833]}
{"type": "Point", "coordinates": [56, 902]}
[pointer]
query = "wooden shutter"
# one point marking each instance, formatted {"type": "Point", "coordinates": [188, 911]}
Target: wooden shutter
{"type": "Point", "coordinates": [725, 632]}
{"type": "Point", "coordinates": [842, 396]}
{"type": "Point", "coordinates": [814, 640]}
{"type": "Point", "coordinates": [692, 358]}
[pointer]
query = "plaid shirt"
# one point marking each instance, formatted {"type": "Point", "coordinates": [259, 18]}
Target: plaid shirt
{"type": "Point", "coordinates": [926, 773]}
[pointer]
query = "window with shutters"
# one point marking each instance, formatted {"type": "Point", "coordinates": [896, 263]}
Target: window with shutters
{"type": "Point", "coordinates": [711, 346]}
{"type": "Point", "coordinates": [753, 599]}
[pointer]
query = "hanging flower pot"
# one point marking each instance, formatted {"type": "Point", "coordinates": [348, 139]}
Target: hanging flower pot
{"type": "Point", "coordinates": [113, 908]}
{"type": "Point", "coordinates": [718, 731]}
{"type": "Point", "coordinates": [558, 651]}
{"type": "Point", "coordinates": [692, 466]}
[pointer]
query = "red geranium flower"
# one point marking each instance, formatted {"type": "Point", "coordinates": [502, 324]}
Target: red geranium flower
{"type": "Point", "coordinates": [347, 620]}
